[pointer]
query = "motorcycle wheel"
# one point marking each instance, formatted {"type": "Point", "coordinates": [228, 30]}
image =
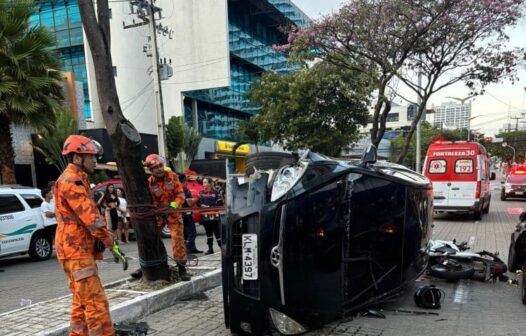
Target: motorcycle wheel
{"type": "Point", "coordinates": [523, 289]}
{"type": "Point", "coordinates": [450, 273]}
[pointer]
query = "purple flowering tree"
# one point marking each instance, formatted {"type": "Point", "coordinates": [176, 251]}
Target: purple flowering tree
{"type": "Point", "coordinates": [392, 40]}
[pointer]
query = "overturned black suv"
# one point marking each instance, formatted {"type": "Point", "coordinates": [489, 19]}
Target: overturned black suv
{"type": "Point", "coordinates": [320, 239]}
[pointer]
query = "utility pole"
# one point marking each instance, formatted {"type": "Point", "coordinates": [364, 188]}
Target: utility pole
{"type": "Point", "coordinates": [146, 11]}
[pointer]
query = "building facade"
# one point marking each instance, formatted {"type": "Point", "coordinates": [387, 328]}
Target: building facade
{"type": "Point", "coordinates": [452, 115]}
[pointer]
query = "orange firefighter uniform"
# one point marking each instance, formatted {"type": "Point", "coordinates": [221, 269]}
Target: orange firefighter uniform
{"type": "Point", "coordinates": [79, 225]}
{"type": "Point", "coordinates": [164, 191]}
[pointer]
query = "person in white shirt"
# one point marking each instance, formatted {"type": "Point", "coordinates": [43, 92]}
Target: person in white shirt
{"type": "Point", "coordinates": [48, 210]}
{"type": "Point", "coordinates": [124, 217]}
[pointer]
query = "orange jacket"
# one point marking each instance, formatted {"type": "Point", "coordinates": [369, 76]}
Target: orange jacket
{"type": "Point", "coordinates": [79, 221]}
{"type": "Point", "coordinates": [166, 190]}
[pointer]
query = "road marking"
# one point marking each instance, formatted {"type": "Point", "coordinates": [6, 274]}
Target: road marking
{"type": "Point", "coordinates": [461, 293]}
{"type": "Point", "coordinates": [471, 241]}
{"type": "Point", "coordinates": [515, 211]}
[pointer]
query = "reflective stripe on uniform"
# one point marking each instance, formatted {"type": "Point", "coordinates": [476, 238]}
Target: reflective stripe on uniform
{"type": "Point", "coordinates": [97, 225]}
{"type": "Point", "coordinates": [77, 327]}
{"type": "Point", "coordinates": [95, 332]}
{"type": "Point", "coordinates": [84, 273]}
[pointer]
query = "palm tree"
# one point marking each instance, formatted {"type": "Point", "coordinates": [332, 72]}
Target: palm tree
{"type": "Point", "coordinates": [49, 142]}
{"type": "Point", "coordinates": [30, 89]}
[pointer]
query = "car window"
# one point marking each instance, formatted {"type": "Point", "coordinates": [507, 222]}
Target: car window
{"type": "Point", "coordinates": [517, 179]}
{"type": "Point", "coordinates": [34, 201]}
{"type": "Point", "coordinates": [437, 166]}
{"type": "Point", "coordinates": [9, 204]}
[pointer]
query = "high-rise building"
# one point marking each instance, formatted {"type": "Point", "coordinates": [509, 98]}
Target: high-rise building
{"type": "Point", "coordinates": [452, 115]}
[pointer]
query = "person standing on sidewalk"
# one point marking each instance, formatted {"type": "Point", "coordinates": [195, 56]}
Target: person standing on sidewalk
{"type": "Point", "coordinates": [167, 191]}
{"type": "Point", "coordinates": [79, 227]}
{"type": "Point", "coordinates": [190, 232]}
{"type": "Point", "coordinates": [208, 197]}
{"type": "Point", "coordinates": [48, 211]}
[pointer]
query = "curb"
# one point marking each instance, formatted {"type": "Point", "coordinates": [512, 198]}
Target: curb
{"type": "Point", "coordinates": [150, 303]}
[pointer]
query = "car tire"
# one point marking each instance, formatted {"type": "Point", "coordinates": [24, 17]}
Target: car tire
{"type": "Point", "coordinates": [165, 233]}
{"type": "Point", "coordinates": [486, 208]}
{"type": "Point", "coordinates": [41, 247]}
{"type": "Point", "coordinates": [477, 215]}
{"type": "Point", "coordinates": [502, 196]}
{"type": "Point", "coordinates": [267, 160]}
{"type": "Point", "coordinates": [512, 257]}
{"type": "Point", "coordinates": [443, 272]}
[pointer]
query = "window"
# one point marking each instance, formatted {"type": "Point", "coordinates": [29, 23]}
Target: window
{"type": "Point", "coordinates": [34, 201]}
{"type": "Point", "coordinates": [391, 117]}
{"type": "Point", "coordinates": [437, 166]}
{"type": "Point", "coordinates": [464, 166]}
{"type": "Point", "coordinates": [9, 204]}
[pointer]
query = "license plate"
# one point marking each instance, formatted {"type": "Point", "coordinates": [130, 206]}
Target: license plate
{"type": "Point", "coordinates": [250, 256]}
{"type": "Point", "coordinates": [518, 193]}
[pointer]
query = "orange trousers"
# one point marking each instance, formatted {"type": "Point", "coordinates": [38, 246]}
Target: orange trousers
{"type": "Point", "coordinates": [175, 224]}
{"type": "Point", "coordinates": [90, 311]}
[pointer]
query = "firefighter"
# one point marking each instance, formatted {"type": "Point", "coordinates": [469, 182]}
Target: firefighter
{"type": "Point", "coordinates": [167, 191]}
{"type": "Point", "coordinates": [80, 234]}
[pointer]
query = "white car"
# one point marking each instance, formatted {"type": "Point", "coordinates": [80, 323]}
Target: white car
{"type": "Point", "coordinates": [22, 227]}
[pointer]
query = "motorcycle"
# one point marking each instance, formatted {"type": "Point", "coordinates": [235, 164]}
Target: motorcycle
{"type": "Point", "coordinates": [451, 261]}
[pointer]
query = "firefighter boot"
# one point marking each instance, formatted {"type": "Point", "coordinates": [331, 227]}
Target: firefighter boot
{"type": "Point", "coordinates": [210, 243]}
{"type": "Point", "coordinates": [182, 273]}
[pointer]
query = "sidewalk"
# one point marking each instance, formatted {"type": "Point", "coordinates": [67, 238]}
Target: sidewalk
{"type": "Point", "coordinates": [52, 317]}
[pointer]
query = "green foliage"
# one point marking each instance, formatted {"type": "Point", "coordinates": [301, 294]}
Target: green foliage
{"type": "Point", "coordinates": [183, 143]}
{"type": "Point", "coordinates": [29, 69]}
{"type": "Point", "coordinates": [175, 136]}
{"type": "Point", "coordinates": [249, 132]}
{"type": "Point", "coordinates": [49, 142]}
{"type": "Point", "coordinates": [99, 176]}
{"type": "Point", "coordinates": [320, 108]}
{"type": "Point", "coordinates": [515, 139]}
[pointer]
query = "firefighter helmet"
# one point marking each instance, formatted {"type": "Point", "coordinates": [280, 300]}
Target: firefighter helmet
{"type": "Point", "coordinates": [81, 145]}
{"type": "Point", "coordinates": [154, 160]}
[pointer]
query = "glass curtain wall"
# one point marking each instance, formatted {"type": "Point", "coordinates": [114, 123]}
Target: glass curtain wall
{"type": "Point", "coordinates": [251, 36]}
{"type": "Point", "coordinates": [63, 18]}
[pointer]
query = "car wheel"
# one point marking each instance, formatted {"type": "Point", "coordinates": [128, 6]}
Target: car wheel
{"type": "Point", "coordinates": [41, 247]}
{"type": "Point", "coordinates": [502, 196]}
{"type": "Point", "coordinates": [486, 208]}
{"type": "Point", "coordinates": [267, 160]}
{"type": "Point", "coordinates": [477, 215]}
{"type": "Point", "coordinates": [165, 233]}
{"type": "Point", "coordinates": [512, 258]}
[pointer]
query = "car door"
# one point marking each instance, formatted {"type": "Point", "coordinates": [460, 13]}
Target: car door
{"type": "Point", "coordinates": [15, 222]}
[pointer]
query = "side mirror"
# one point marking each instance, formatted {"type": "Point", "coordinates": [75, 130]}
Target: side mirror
{"type": "Point", "coordinates": [369, 155]}
{"type": "Point", "coordinates": [493, 176]}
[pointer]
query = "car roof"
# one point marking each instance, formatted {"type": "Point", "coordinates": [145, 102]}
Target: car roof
{"type": "Point", "coordinates": [15, 188]}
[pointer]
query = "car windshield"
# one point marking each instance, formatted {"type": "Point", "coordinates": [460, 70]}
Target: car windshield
{"type": "Point", "coordinates": [517, 179]}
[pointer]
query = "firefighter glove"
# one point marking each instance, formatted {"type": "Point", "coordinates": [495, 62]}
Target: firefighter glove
{"type": "Point", "coordinates": [119, 255]}
{"type": "Point", "coordinates": [174, 205]}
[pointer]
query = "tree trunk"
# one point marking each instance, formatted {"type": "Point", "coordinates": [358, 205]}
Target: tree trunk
{"type": "Point", "coordinates": [379, 115]}
{"type": "Point", "coordinates": [7, 153]}
{"type": "Point", "coordinates": [125, 141]}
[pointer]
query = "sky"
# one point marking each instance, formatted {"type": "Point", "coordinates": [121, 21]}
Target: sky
{"type": "Point", "coordinates": [493, 108]}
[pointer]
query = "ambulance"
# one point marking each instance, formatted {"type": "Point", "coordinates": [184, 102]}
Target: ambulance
{"type": "Point", "coordinates": [460, 173]}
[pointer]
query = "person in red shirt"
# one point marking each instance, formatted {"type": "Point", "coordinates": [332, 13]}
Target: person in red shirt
{"type": "Point", "coordinates": [209, 197]}
{"type": "Point", "coordinates": [167, 191]}
{"type": "Point", "coordinates": [79, 225]}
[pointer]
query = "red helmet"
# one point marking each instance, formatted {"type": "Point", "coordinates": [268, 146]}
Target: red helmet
{"type": "Point", "coordinates": [154, 160]}
{"type": "Point", "coordinates": [81, 145]}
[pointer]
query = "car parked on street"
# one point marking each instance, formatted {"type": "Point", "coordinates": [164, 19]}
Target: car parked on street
{"type": "Point", "coordinates": [22, 227]}
{"type": "Point", "coordinates": [320, 239]}
{"type": "Point", "coordinates": [515, 184]}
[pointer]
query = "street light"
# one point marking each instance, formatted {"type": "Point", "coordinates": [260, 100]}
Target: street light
{"type": "Point", "coordinates": [469, 124]}
{"type": "Point", "coordinates": [505, 144]}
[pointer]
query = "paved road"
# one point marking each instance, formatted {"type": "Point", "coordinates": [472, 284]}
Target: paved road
{"type": "Point", "coordinates": [470, 307]}
{"type": "Point", "coordinates": [21, 278]}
